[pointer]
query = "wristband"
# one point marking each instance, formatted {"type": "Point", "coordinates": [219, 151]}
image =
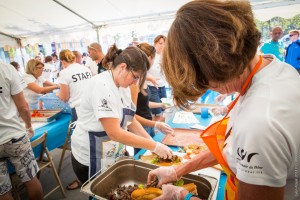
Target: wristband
{"type": "Point", "coordinates": [29, 128]}
{"type": "Point", "coordinates": [189, 195]}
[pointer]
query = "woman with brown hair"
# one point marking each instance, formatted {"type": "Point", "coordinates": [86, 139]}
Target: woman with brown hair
{"type": "Point", "coordinates": [106, 120]}
{"type": "Point", "coordinates": [157, 90]}
{"type": "Point", "coordinates": [212, 44]}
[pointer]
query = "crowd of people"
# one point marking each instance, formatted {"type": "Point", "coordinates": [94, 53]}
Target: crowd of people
{"type": "Point", "coordinates": [116, 101]}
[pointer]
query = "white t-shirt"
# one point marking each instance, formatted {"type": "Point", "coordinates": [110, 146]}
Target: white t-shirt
{"type": "Point", "coordinates": [100, 99]}
{"type": "Point", "coordinates": [47, 72]}
{"type": "Point", "coordinates": [156, 72]}
{"type": "Point", "coordinates": [10, 126]}
{"type": "Point", "coordinates": [92, 65]}
{"type": "Point", "coordinates": [32, 97]}
{"type": "Point", "coordinates": [263, 148]}
{"type": "Point", "coordinates": [75, 76]}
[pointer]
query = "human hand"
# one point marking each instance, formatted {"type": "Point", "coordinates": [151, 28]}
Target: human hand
{"type": "Point", "coordinates": [219, 110]}
{"type": "Point", "coordinates": [30, 132]}
{"type": "Point", "coordinates": [220, 98]}
{"type": "Point", "coordinates": [162, 151]}
{"type": "Point", "coordinates": [171, 192]}
{"type": "Point", "coordinates": [163, 174]}
{"type": "Point", "coordinates": [164, 128]}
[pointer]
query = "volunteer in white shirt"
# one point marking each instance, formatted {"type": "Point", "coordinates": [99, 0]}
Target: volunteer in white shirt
{"type": "Point", "coordinates": [71, 80]}
{"type": "Point", "coordinates": [14, 142]}
{"type": "Point", "coordinates": [36, 84]}
{"type": "Point", "coordinates": [106, 112]}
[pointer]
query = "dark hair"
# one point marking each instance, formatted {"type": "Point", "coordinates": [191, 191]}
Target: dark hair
{"type": "Point", "coordinates": [48, 59]}
{"type": "Point", "coordinates": [15, 64]}
{"type": "Point", "coordinates": [134, 58]}
{"type": "Point", "coordinates": [209, 40]}
{"type": "Point", "coordinates": [54, 55]}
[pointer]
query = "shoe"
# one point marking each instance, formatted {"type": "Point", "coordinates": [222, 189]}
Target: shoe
{"type": "Point", "coordinates": [74, 185]}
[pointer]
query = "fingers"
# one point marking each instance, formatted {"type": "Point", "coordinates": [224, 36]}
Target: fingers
{"type": "Point", "coordinates": [151, 177]}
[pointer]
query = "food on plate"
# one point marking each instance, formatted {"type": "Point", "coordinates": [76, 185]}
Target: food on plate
{"type": "Point", "coordinates": [193, 150]}
{"type": "Point", "coordinates": [151, 192]}
{"type": "Point", "coordinates": [155, 159]}
{"type": "Point", "coordinates": [36, 113]}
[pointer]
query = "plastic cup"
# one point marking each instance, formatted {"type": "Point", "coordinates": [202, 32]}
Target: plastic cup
{"type": "Point", "coordinates": [204, 112]}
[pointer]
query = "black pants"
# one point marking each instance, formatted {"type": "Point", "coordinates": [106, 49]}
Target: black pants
{"type": "Point", "coordinates": [81, 171]}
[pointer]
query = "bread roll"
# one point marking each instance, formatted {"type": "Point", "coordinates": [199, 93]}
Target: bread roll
{"type": "Point", "coordinates": [146, 194]}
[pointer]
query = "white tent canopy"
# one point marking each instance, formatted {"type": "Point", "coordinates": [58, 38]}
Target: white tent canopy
{"type": "Point", "coordinates": [32, 18]}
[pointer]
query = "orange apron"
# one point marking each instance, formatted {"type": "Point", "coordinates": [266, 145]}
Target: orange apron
{"type": "Point", "coordinates": [214, 137]}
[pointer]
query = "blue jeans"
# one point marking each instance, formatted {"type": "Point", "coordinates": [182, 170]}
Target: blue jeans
{"type": "Point", "coordinates": [155, 96]}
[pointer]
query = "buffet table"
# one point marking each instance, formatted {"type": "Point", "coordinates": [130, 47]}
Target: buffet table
{"type": "Point", "coordinates": [219, 175]}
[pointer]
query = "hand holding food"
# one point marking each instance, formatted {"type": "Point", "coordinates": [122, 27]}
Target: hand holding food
{"type": "Point", "coordinates": [164, 128]}
{"type": "Point", "coordinates": [170, 192]}
{"type": "Point", "coordinates": [164, 175]}
{"type": "Point", "coordinates": [162, 150]}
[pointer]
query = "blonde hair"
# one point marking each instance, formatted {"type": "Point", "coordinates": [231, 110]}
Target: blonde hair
{"type": "Point", "coordinates": [31, 66]}
{"type": "Point", "coordinates": [148, 49]}
{"type": "Point", "coordinates": [294, 31]}
{"type": "Point", "coordinates": [67, 56]}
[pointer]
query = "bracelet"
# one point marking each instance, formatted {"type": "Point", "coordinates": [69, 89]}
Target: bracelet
{"type": "Point", "coordinates": [29, 128]}
{"type": "Point", "coordinates": [189, 195]}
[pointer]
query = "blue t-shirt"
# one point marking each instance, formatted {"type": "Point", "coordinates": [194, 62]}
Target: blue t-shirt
{"type": "Point", "coordinates": [275, 48]}
{"type": "Point", "coordinates": [293, 54]}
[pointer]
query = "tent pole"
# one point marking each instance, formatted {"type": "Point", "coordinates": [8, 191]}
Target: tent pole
{"type": "Point", "coordinates": [97, 31]}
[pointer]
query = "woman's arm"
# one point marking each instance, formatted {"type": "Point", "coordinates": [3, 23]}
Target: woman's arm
{"type": "Point", "coordinates": [48, 83]}
{"type": "Point", "coordinates": [136, 127]}
{"type": "Point", "coordinates": [145, 122]}
{"type": "Point", "coordinates": [64, 93]}
{"type": "Point", "coordinates": [116, 133]}
{"type": "Point", "coordinates": [41, 90]}
{"type": "Point", "coordinates": [259, 192]}
{"type": "Point", "coordinates": [156, 105]}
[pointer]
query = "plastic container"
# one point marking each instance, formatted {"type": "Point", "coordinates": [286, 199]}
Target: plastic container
{"type": "Point", "coordinates": [52, 102]}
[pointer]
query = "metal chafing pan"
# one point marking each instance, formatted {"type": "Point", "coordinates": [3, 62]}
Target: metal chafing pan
{"type": "Point", "coordinates": [128, 171]}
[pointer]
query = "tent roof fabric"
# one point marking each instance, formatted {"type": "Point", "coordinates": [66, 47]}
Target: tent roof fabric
{"type": "Point", "coordinates": [31, 18]}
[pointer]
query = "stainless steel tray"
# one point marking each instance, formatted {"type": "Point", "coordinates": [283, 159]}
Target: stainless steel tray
{"type": "Point", "coordinates": [128, 171]}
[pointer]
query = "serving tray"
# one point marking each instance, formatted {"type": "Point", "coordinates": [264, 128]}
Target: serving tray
{"type": "Point", "coordinates": [128, 171]}
{"type": "Point", "coordinates": [48, 115]}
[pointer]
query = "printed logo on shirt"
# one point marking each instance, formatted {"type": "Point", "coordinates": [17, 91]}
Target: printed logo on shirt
{"type": "Point", "coordinates": [81, 76]}
{"type": "Point", "coordinates": [244, 162]}
{"type": "Point", "coordinates": [104, 106]}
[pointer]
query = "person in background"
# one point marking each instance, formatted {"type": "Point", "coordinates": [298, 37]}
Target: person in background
{"type": "Point", "coordinates": [141, 100]}
{"type": "Point", "coordinates": [36, 84]}
{"type": "Point", "coordinates": [292, 56]}
{"type": "Point", "coordinates": [157, 91]}
{"type": "Point", "coordinates": [78, 57]}
{"type": "Point", "coordinates": [47, 72]}
{"type": "Point", "coordinates": [258, 146]}
{"type": "Point", "coordinates": [95, 52]}
{"type": "Point", "coordinates": [14, 142]}
{"type": "Point", "coordinates": [274, 45]}
{"type": "Point", "coordinates": [16, 65]}
{"type": "Point", "coordinates": [56, 67]}
{"type": "Point", "coordinates": [106, 120]}
{"type": "Point", "coordinates": [71, 81]}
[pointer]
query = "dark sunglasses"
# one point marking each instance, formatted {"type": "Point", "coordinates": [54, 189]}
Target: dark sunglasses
{"type": "Point", "coordinates": [291, 35]}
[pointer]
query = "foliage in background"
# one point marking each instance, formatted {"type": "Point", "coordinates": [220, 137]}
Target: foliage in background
{"type": "Point", "coordinates": [286, 25]}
